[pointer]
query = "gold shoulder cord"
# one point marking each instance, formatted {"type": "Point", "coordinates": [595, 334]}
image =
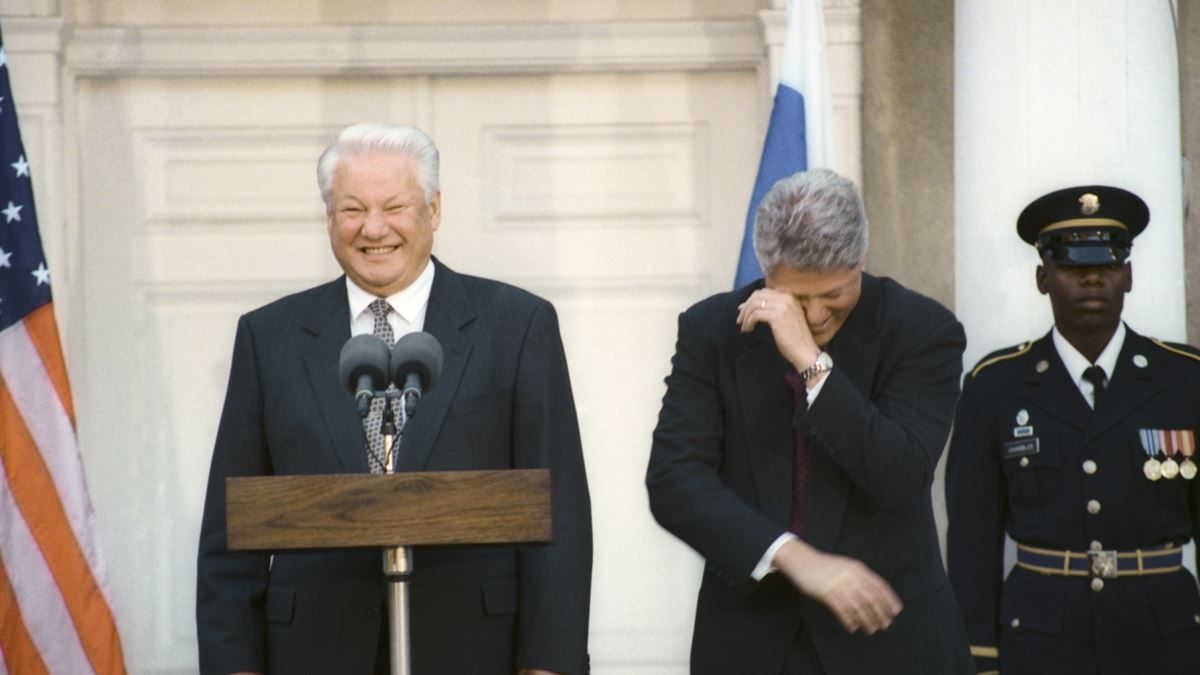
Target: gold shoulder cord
{"type": "Point", "coordinates": [1174, 350]}
{"type": "Point", "coordinates": [1021, 349]}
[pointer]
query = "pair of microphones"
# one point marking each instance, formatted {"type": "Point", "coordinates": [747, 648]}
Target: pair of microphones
{"type": "Point", "coordinates": [367, 366]}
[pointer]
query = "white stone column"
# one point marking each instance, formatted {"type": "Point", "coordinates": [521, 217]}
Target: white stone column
{"type": "Point", "coordinates": [1050, 95]}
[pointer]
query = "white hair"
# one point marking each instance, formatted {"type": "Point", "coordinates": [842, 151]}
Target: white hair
{"type": "Point", "coordinates": [369, 137]}
{"type": "Point", "coordinates": [811, 220]}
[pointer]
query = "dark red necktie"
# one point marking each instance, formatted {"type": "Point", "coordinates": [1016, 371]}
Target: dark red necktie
{"type": "Point", "coordinates": [800, 455]}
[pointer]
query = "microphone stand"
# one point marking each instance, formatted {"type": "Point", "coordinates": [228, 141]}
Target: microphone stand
{"type": "Point", "coordinates": [397, 560]}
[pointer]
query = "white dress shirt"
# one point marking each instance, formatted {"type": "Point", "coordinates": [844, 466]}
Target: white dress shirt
{"type": "Point", "coordinates": [408, 306]}
{"type": "Point", "coordinates": [1076, 363]}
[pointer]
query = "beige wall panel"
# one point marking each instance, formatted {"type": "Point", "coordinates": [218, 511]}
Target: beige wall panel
{"type": "Point", "coordinates": [593, 176]}
{"type": "Point", "coordinates": [29, 8]}
{"type": "Point", "coordinates": [664, 120]}
{"type": "Point", "coordinates": [308, 12]}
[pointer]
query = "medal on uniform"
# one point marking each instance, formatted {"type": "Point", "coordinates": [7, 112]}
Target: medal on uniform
{"type": "Point", "coordinates": [1170, 445]}
{"type": "Point", "coordinates": [1152, 469]}
{"type": "Point", "coordinates": [1187, 448]}
{"type": "Point", "coordinates": [1169, 468]}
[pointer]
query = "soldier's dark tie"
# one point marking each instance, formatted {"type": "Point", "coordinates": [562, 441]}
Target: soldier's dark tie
{"type": "Point", "coordinates": [376, 458]}
{"type": "Point", "coordinates": [800, 455]}
{"type": "Point", "coordinates": [1095, 375]}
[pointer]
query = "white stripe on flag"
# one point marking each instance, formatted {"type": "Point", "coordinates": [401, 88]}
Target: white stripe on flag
{"type": "Point", "coordinates": [50, 427]}
{"type": "Point", "coordinates": [44, 612]}
{"type": "Point", "coordinates": [804, 67]}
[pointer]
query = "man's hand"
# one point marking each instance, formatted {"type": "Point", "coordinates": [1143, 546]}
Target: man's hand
{"type": "Point", "coordinates": [783, 313]}
{"type": "Point", "coordinates": [859, 598]}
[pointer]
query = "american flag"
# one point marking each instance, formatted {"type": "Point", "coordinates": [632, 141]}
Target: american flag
{"type": "Point", "coordinates": [55, 615]}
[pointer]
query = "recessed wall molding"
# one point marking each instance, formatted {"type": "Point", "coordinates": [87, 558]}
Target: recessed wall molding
{"type": "Point", "coordinates": [428, 49]}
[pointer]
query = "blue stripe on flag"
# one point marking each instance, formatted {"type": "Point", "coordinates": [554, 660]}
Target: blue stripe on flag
{"type": "Point", "coordinates": [784, 153]}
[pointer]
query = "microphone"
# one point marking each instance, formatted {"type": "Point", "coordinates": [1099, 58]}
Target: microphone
{"type": "Point", "coordinates": [416, 363]}
{"type": "Point", "coordinates": [363, 369]}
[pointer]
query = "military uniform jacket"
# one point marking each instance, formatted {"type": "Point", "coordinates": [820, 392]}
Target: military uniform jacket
{"type": "Point", "coordinates": [1083, 487]}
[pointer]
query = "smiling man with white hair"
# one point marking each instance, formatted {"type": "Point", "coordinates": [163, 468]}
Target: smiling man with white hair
{"type": "Point", "coordinates": [503, 400]}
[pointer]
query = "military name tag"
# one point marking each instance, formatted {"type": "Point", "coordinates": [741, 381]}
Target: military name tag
{"type": "Point", "coordinates": [1021, 448]}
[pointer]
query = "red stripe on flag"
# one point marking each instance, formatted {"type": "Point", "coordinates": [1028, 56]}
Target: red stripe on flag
{"type": "Point", "coordinates": [43, 331]}
{"type": "Point", "coordinates": [20, 654]}
{"type": "Point", "coordinates": [37, 499]}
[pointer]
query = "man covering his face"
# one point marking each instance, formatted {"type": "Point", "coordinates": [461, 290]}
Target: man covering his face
{"type": "Point", "coordinates": [795, 450]}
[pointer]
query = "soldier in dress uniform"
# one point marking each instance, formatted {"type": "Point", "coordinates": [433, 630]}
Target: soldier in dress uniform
{"type": "Point", "coordinates": [1082, 447]}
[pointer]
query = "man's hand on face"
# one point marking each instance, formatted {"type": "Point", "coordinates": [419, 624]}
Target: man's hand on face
{"type": "Point", "coordinates": [783, 313]}
{"type": "Point", "coordinates": [857, 596]}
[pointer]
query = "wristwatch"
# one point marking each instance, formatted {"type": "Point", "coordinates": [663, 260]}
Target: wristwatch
{"type": "Point", "coordinates": [823, 364]}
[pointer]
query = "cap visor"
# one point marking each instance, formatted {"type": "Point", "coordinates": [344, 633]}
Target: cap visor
{"type": "Point", "coordinates": [1078, 256]}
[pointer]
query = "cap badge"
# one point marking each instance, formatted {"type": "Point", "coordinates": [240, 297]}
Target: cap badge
{"type": "Point", "coordinates": [1089, 204]}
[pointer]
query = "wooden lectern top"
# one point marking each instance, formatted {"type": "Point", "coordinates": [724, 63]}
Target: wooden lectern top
{"type": "Point", "coordinates": [403, 509]}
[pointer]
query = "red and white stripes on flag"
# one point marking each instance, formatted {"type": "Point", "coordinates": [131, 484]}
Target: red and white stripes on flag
{"type": "Point", "coordinates": [54, 616]}
{"type": "Point", "coordinates": [54, 613]}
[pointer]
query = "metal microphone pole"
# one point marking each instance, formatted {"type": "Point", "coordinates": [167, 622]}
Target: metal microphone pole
{"type": "Point", "coordinates": [397, 565]}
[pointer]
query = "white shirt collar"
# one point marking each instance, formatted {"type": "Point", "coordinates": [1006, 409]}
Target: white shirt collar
{"type": "Point", "coordinates": [408, 302]}
{"type": "Point", "coordinates": [1076, 363]}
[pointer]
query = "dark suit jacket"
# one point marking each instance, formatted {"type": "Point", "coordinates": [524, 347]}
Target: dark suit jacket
{"type": "Point", "coordinates": [1143, 624]}
{"type": "Point", "coordinates": [720, 478]}
{"type": "Point", "coordinates": [503, 401]}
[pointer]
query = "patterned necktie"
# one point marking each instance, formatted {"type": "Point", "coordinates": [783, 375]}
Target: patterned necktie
{"type": "Point", "coordinates": [376, 454]}
{"type": "Point", "coordinates": [800, 455]}
{"type": "Point", "coordinates": [1095, 375]}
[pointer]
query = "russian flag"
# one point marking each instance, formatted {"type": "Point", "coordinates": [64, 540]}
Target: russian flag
{"type": "Point", "coordinates": [800, 133]}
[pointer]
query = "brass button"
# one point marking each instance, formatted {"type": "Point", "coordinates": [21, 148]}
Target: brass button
{"type": "Point", "coordinates": [1196, 618]}
{"type": "Point", "coordinates": [1093, 506]}
{"type": "Point", "coordinates": [1024, 462]}
{"type": "Point", "coordinates": [1097, 585]}
{"type": "Point", "coordinates": [1089, 467]}
{"type": "Point", "coordinates": [1016, 623]}
{"type": "Point", "coordinates": [1095, 546]}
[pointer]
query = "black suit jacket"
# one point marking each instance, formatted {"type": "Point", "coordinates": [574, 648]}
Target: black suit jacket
{"type": "Point", "coordinates": [1049, 624]}
{"type": "Point", "coordinates": [720, 478]}
{"type": "Point", "coordinates": [503, 401]}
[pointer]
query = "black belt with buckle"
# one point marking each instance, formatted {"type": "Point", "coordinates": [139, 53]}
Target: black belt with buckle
{"type": "Point", "coordinates": [1103, 564]}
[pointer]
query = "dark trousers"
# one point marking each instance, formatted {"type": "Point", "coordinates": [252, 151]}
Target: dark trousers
{"type": "Point", "coordinates": [802, 659]}
{"type": "Point", "coordinates": [383, 655]}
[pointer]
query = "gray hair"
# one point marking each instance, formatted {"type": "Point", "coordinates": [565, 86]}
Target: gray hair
{"type": "Point", "coordinates": [811, 220]}
{"type": "Point", "coordinates": [391, 138]}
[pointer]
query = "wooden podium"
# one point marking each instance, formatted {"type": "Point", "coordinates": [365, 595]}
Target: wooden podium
{"type": "Point", "coordinates": [393, 512]}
